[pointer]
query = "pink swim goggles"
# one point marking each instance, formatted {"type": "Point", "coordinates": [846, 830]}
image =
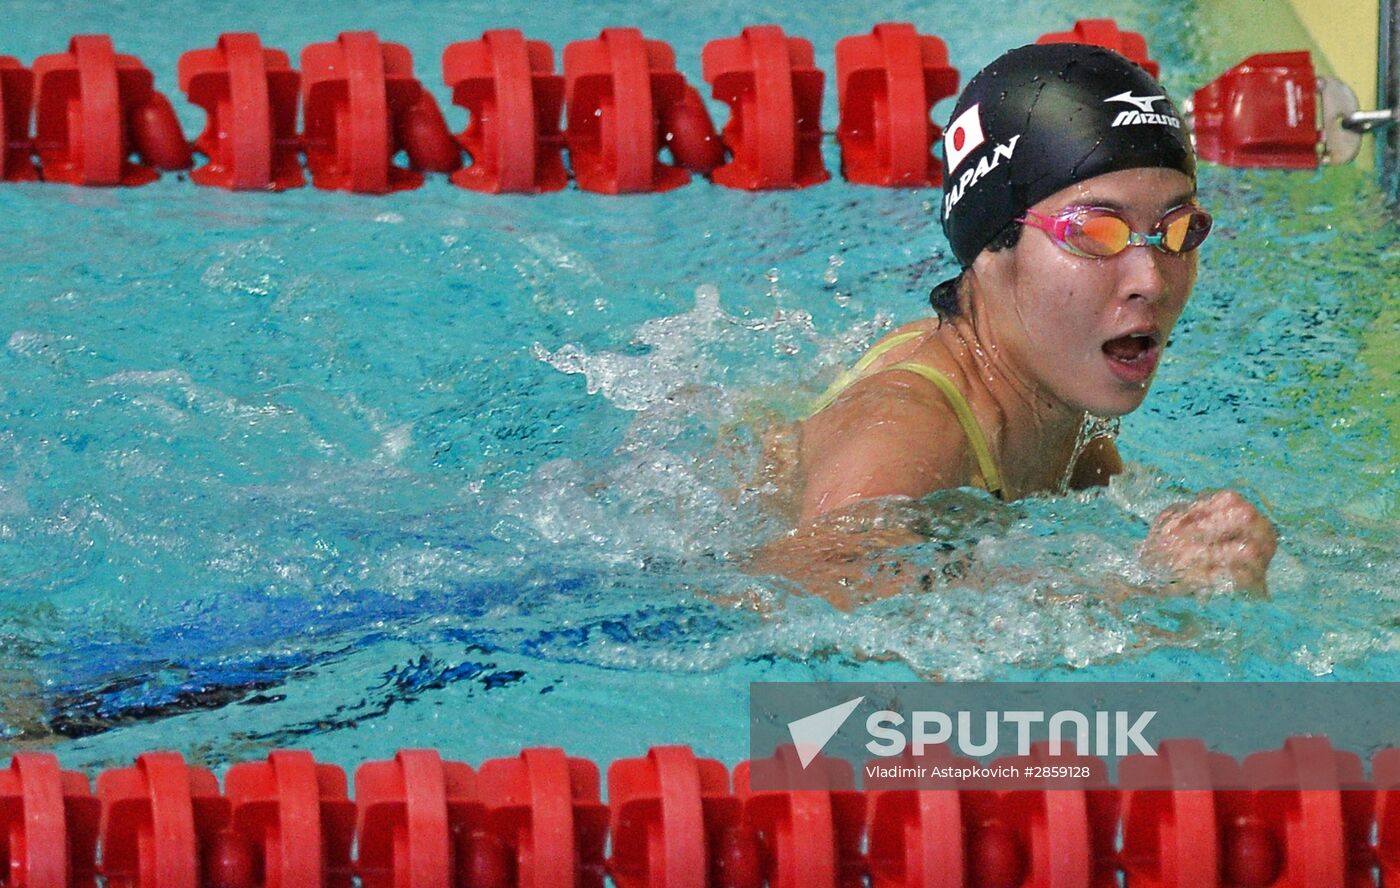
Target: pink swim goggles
{"type": "Point", "coordinates": [1099, 232]}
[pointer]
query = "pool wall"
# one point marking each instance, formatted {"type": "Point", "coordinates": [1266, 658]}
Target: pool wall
{"type": "Point", "coordinates": [1347, 33]}
{"type": "Point", "coordinates": [1352, 36]}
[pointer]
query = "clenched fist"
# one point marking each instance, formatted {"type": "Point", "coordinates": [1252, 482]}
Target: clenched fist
{"type": "Point", "coordinates": [1214, 539]}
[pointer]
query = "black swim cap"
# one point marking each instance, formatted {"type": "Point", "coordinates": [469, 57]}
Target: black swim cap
{"type": "Point", "coordinates": [1039, 119]}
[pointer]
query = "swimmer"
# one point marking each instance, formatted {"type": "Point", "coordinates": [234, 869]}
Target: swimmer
{"type": "Point", "coordinates": [1070, 203]}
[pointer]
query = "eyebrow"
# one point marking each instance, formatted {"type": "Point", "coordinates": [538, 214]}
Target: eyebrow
{"type": "Point", "coordinates": [1183, 198]}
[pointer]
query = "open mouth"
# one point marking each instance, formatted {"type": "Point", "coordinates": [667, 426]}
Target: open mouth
{"type": "Point", "coordinates": [1133, 357]}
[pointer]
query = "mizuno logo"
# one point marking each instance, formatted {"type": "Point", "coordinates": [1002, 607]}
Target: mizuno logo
{"type": "Point", "coordinates": [1142, 103]}
{"type": "Point", "coordinates": [1132, 118]}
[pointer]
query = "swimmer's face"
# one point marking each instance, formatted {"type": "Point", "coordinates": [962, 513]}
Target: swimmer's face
{"type": "Point", "coordinates": [1091, 331]}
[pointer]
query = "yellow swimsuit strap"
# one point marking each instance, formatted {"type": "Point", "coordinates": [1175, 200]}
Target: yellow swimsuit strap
{"type": "Point", "coordinates": [987, 467]}
{"type": "Point", "coordinates": [851, 374]}
{"type": "Point", "coordinates": [991, 477]}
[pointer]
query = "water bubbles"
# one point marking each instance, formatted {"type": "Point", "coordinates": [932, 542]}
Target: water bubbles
{"type": "Point", "coordinates": [831, 276]}
{"type": "Point", "coordinates": [1317, 663]}
{"type": "Point", "coordinates": [771, 275]}
{"type": "Point", "coordinates": [242, 269]}
{"type": "Point", "coordinates": [707, 299]}
{"type": "Point", "coordinates": [29, 343]}
{"type": "Point", "coordinates": [675, 357]}
{"type": "Point", "coordinates": [395, 442]}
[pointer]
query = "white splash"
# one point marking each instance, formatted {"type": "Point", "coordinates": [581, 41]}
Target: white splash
{"type": "Point", "coordinates": [677, 356]}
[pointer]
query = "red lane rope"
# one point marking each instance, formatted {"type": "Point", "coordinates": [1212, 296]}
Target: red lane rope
{"type": "Point", "coordinates": [1303, 816]}
{"type": "Point", "coordinates": [100, 121]}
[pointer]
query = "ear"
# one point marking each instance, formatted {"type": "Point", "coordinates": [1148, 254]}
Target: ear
{"type": "Point", "coordinates": [992, 271]}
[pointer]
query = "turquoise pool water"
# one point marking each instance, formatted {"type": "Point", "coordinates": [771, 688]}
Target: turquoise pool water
{"type": "Point", "coordinates": [449, 469]}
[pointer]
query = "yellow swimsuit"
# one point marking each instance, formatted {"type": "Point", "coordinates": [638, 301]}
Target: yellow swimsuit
{"type": "Point", "coordinates": [990, 478]}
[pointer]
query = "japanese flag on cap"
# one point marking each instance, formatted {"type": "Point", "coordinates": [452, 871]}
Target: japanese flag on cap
{"type": "Point", "coordinates": [964, 136]}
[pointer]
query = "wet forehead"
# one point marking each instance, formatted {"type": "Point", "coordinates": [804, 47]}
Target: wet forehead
{"type": "Point", "coordinates": [1147, 192]}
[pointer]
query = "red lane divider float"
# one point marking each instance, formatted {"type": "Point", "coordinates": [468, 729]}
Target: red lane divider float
{"type": "Point", "coordinates": [93, 108]}
{"type": "Point", "coordinates": [250, 94]}
{"type": "Point", "coordinates": [774, 93]}
{"type": "Point", "coordinates": [921, 838]}
{"type": "Point", "coordinates": [295, 821]}
{"type": "Point", "coordinates": [886, 84]}
{"type": "Point", "coordinates": [100, 121]}
{"type": "Point", "coordinates": [674, 823]}
{"type": "Point", "coordinates": [418, 816]}
{"type": "Point", "coordinates": [1170, 835]}
{"type": "Point", "coordinates": [690, 134]}
{"type": "Point", "coordinates": [162, 822]}
{"type": "Point", "coordinates": [1104, 32]}
{"type": "Point", "coordinates": [1065, 826]}
{"type": "Point", "coordinates": [1317, 800]}
{"type": "Point", "coordinates": [514, 98]}
{"type": "Point", "coordinates": [16, 105]}
{"type": "Point", "coordinates": [1303, 816]}
{"type": "Point", "coordinates": [1253, 826]}
{"type": "Point", "coordinates": [621, 91]}
{"type": "Point", "coordinates": [48, 824]}
{"type": "Point", "coordinates": [1385, 774]}
{"type": "Point", "coordinates": [362, 106]}
{"type": "Point", "coordinates": [1260, 113]}
{"type": "Point", "coordinates": [808, 836]}
{"type": "Point", "coordinates": [545, 810]}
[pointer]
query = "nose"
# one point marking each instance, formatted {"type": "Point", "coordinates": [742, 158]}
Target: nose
{"type": "Point", "coordinates": [1141, 275]}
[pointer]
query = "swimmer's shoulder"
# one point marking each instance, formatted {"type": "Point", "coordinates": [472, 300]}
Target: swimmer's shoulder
{"type": "Point", "coordinates": [903, 344]}
{"type": "Point", "coordinates": [891, 434]}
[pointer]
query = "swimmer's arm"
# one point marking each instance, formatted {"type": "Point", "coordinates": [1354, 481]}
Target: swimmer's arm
{"type": "Point", "coordinates": [1219, 539]}
{"type": "Point", "coordinates": [882, 439]}
{"type": "Point", "coordinates": [846, 556]}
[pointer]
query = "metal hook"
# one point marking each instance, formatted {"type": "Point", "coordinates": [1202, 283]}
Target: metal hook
{"type": "Point", "coordinates": [1369, 121]}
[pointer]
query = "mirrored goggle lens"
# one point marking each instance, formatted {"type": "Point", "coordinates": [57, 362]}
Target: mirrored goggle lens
{"type": "Point", "coordinates": [1098, 235]}
{"type": "Point", "coordinates": [1184, 229]}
